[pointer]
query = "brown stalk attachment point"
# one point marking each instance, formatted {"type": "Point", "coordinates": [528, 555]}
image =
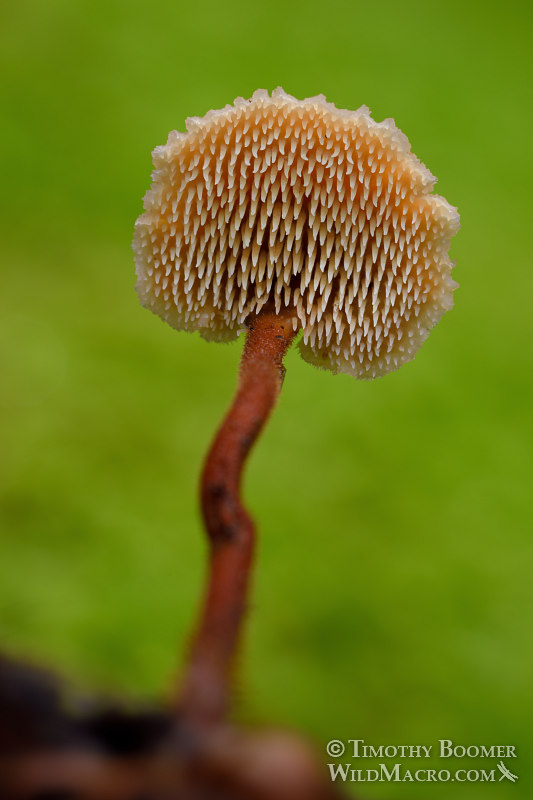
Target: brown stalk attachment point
{"type": "Point", "coordinates": [230, 528]}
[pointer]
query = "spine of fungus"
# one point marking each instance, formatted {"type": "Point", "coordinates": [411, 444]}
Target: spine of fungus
{"type": "Point", "coordinates": [305, 207]}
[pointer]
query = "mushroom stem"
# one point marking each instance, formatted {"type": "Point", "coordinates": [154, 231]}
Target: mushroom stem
{"type": "Point", "coordinates": [231, 531]}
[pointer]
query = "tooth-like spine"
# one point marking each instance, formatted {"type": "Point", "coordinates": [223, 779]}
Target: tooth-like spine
{"type": "Point", "coordinates": [315, 209]}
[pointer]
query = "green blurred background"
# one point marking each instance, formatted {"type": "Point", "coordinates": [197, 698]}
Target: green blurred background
{"type": "Point", "coordinates": [393, 592]}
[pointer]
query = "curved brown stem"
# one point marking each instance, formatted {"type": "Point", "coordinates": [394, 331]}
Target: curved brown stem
{"type": "Point", "coordinates": [204, 697]}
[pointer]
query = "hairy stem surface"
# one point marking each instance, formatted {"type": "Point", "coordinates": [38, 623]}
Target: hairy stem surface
{"type": "Point", "coordinates": [231, 532]}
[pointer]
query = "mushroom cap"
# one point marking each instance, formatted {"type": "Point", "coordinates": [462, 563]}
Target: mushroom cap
{"type": "Point", "coordinates": [307, 207]}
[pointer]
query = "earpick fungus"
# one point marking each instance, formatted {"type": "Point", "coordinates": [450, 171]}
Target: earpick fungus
{"type": "Point", "coordinates": [279, 216]}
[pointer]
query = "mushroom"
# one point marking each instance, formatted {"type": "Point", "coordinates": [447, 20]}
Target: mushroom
{"type": "Point", "coordinates": [280, 216]}
{"type": "Point", "coordinates": [315, 210]}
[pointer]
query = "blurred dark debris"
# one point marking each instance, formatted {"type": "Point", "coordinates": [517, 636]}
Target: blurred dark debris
{"type": "Point", "coordinates": [38, 711]}
{"type": "Point", "coordinates": [56, 745]}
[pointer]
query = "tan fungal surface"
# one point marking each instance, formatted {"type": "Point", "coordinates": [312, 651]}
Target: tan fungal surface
{"type": "Point", "coordinates": [308, 207]}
